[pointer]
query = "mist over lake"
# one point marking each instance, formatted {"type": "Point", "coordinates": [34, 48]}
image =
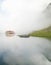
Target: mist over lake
{"type": "Point", "coordinates": [23, 17]}
{"type": "Point", "coordinates": [25, 51]}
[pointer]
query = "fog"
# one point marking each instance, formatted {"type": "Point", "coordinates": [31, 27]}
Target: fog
{"type": "Point", "coordinates": [23, 16]}
{"type": "Point", "coordinates": [21, 51]}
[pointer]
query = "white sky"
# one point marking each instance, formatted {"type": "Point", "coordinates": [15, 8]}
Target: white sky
{"type": "Point", "coordinates": [23, 16]}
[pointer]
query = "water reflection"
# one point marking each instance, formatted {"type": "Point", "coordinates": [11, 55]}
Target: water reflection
{"type": "Point", "coordinates": [25, 51]}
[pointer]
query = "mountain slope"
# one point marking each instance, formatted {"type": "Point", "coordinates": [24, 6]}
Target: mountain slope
{"type": "Point", "coordinates": [42, 33]}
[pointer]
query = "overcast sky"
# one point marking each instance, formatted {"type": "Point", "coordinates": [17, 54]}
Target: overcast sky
{"type": "Point", "coordinates": [23, 15]}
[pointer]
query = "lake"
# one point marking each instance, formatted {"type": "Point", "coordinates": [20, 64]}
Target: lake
{"type": "Point", "coordinates": [25, 51]}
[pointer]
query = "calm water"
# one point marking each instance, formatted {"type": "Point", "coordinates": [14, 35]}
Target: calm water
{"type": "Point", "coordinates": [25, 51]}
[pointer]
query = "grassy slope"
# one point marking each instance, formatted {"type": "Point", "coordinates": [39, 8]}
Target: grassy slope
{"type": "Point", "coordinates": [42, 33]}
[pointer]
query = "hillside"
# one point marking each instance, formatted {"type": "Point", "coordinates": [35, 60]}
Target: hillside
{"type": "Point", "coordinates": [46, 32]}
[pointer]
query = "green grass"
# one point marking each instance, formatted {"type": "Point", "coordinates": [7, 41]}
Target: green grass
{"type": "Point", "coordinates": [42, 33]}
